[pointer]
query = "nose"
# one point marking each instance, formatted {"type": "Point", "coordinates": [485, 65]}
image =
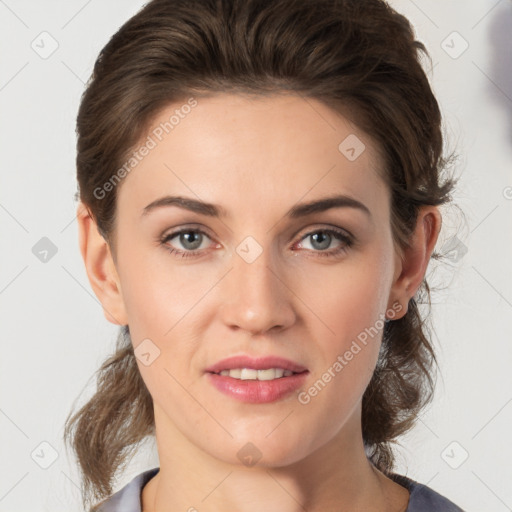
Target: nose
{"type": "Point", "coordinates": [256, 296]}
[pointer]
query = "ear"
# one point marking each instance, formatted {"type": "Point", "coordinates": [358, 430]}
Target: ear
{"type": "Point", "coordinates": [100, 267]}
{"type": "Point", "coordinates": [411, 267]}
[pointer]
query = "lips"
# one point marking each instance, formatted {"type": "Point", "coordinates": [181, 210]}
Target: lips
{"type": "Point", "coordinates": [255, 363]}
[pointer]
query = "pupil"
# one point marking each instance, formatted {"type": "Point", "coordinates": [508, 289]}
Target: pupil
{"type": "Point", "coordinates": [323, 237]}
{"type": "Point", "coordinates": [184, 237]}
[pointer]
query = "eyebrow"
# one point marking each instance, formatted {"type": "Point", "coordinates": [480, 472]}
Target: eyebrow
{"type": "Point", "coordinates": [297, 211]}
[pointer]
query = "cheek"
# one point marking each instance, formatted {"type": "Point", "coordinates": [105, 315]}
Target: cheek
{"type": "Point", "coordinates": [349, 298]}
{"type": "Point", "coordinates": [158, 293]}
{"type": "Point", "coordinates": [349, 320]}
{"type": "Point", "coordinates": [349, 341]}
{"type": "Point", "coordinates": [162, 299]}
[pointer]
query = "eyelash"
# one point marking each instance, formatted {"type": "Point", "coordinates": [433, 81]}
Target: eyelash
{"type": "Point", "coordinates": [346, 239]}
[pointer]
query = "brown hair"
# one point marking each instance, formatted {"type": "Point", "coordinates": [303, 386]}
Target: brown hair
{"type": "Point", "coordinates": [359, 57]}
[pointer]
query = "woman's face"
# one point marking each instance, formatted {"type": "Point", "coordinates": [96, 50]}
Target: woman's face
{"type": "Point", "coordinates": [249, 278]}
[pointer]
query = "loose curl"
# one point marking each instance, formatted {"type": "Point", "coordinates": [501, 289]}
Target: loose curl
{"type": "Point", "coordinates": [359, 57]}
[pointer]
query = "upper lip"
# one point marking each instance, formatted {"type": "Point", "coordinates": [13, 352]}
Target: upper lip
{"type": "Point", "coordinates": [256, 363]}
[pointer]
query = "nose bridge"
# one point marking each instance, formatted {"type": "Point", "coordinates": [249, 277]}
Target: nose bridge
{"type": "Point", "coordinates": [258, 298]}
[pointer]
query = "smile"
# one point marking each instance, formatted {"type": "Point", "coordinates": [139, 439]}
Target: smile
{"type": "Point", "coordinates": [251, 374]}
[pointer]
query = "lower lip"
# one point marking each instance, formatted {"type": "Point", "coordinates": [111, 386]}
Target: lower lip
{"type": "Point", "coordinates": [257, 391]}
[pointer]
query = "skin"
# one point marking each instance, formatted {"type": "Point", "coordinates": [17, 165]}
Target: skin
{"type": "Point", "coordinates": [257, 158]}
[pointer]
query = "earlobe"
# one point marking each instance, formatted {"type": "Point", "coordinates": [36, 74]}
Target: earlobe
{"type": "Point", "coordinates": [414, 262]}
{"type": "Point", "coordinates": [100, 267]}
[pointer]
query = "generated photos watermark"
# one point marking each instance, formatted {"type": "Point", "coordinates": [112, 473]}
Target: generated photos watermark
{"type": "Point", "coordinates": [344, 359]}
{"type": "Point", "coordinates": [151, 142]}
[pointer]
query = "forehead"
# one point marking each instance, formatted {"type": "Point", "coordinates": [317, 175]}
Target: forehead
{"type": "Point", "coordinates": [249, 152]}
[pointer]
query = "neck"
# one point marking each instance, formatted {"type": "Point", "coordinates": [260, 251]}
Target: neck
{"type": "Point", "coordinates": [336, 476]}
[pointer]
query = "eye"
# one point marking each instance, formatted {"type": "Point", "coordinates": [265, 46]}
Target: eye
{"type": "Point", "coordinates": [191, 239]}
{"type": "Point", "coordinates": [322, 238]}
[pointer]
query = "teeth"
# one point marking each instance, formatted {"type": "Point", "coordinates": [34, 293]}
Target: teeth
{"type": "Point", "coordinates": [250, 374]}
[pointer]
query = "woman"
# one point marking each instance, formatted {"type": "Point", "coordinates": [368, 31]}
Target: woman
{"type": "Point", "coordinates": [259, 185]}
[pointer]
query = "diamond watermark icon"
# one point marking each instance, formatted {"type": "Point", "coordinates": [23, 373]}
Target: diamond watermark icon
{"type": "Point", "coordinates": [454, 45]}
{"type": "Point", "coordinates": [454, 249]}
{"type": "Point", "coordinates": [249, 454]}
{"type": "Point", "coordinates": [44, 250]}
{"type": "Point", "coordinates": [146, 352]}
{"type": "Point", "coordinates": [351, 147]}
{"type": "Point", "coordinates": [44, 455]}
{"type": "Point", "coordinates": [45, 45]}
{"type": "Point", "coordinates": [249, 250]}
{"type": "Point", "coordinates": [454, 455]}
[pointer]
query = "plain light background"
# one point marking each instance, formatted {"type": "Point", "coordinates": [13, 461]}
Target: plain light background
{"type": "Point", "coordinates": [54, 334]}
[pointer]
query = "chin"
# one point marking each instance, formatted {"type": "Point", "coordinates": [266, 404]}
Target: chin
{"type": "Point", "coordinates": [261, 451]}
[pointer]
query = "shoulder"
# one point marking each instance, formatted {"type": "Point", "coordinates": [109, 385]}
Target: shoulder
{"type": "Point", "coordinates": [423, 498]}
{"type": "Point", "coordinates": [128, 499]}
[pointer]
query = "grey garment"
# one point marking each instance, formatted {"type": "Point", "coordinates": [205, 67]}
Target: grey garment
{"type": "Point", "coordinates": [422, 498]}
